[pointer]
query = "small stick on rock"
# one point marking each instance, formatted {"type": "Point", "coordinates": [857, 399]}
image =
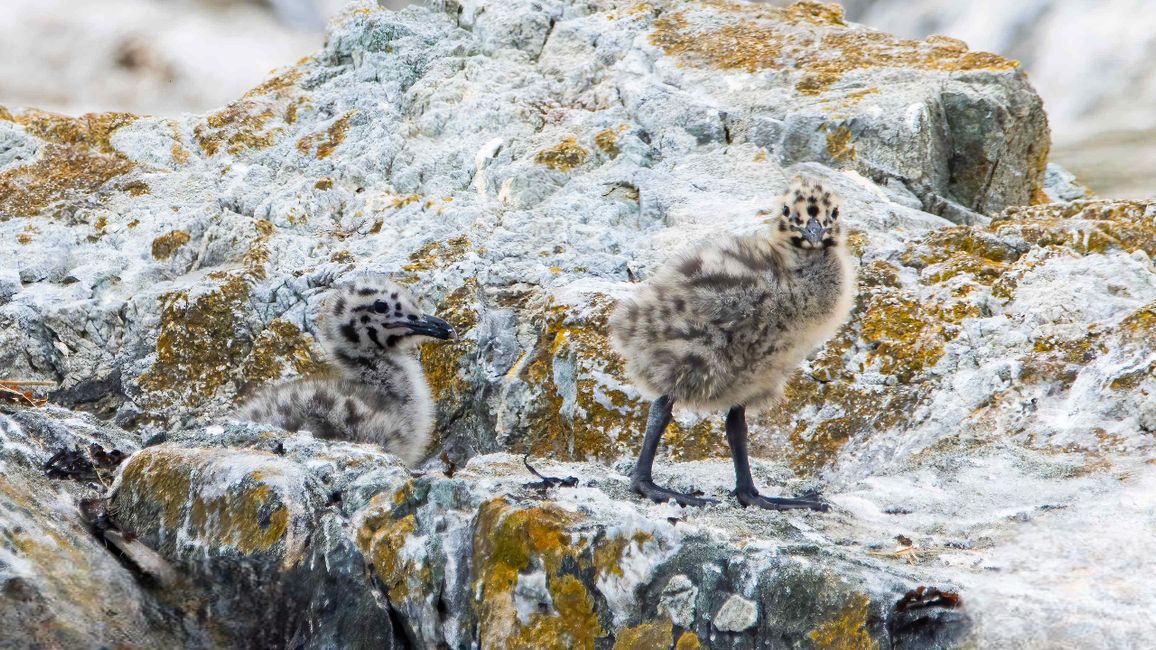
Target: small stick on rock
{"type": "Point", "coordinates": [547, 481]}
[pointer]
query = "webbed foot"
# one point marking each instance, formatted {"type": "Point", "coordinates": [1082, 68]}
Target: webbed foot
{"type": "Point", "coordinates": [661, 495]}
{"type": "Point", "coordinates": [809, 501]}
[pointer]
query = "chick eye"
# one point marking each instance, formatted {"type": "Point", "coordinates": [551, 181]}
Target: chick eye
{"type": "Point", "coordinates": [380, 306]}
{"type": "Point", "coordinates": [786, 211]}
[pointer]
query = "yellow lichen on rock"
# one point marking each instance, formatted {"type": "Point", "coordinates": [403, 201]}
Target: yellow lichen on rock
{"type": "Point", "coordinates": [239, 126]}
{"type": "Point", "coordinates": [904, 335]}
{"type": "Point", "coordinates": [381, 538]}
{"type": "Point", "coordinates": [647, 636]}
{"type": "Point", "coordinates": [688, 641]}
{"type": "Point", "coordinates": [199, 345]}
{"type": "Point", "coordinates": [250, 517]}
{"type": "Point", "coordinates": [442, 362]}
{"type": "Point", "coordinates": [841, 144]}
{"type": "Point", "coordinates": [564, 156]}
{"type": "Point", "coordinates": [322, 144]}
{"type": "Point", "coordinates": [610, 551]}
{"type": "Point", "coordinates": [280, 346]}
{"type": "Point", "coordinates": [607, 141]}
{"type": "Point", "coordinates": [76, 160]}
{"type": "Point", "coordinates": [509, 541]}
{"type": "Point", "coordinates": [436, 254]}
{"type": "Point", "coordinates": [245, 124]}
{"type": "Point", "coordinates": [176, 489]}
{"type": "Point", "coordinates": [848, 630]}
{"type": "Point", "coordinates": [596, 421]}
{"type": "Point", "coordinates": [164, 246]}
{"type": "Point", "coordinates": [809, 38]}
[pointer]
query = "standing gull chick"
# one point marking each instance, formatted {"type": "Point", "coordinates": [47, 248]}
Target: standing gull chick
{"type": "Point", "coordinates": [369, 327]}
{"type": "Point", "coordinates": [724, 326]}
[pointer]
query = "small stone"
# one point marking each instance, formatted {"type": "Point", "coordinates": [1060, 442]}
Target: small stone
{"type": "Point", "coordinates": [677, 600]}
{"type": "Point", "coordinates": [736, 615]}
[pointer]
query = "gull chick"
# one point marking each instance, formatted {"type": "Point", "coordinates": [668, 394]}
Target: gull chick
{"type": "Point", "coordinates": [370, 328]}
{"type": "Point", "coordinates": [724, 326]}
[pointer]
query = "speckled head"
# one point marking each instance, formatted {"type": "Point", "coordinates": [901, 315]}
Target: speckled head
{"type": "Point", "coordinates": [809, 216]}
{"type": "Point", "coordinates": [371, 315]}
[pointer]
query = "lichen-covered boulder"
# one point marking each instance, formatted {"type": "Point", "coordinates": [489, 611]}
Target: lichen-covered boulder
{"type": "Point", "coordinates": [60, 586]}
{"type": "Point", "coordinates": [983, 424]}
{"type": "Point", "coordinates": [516, 162]}
{"type": "Point", "coordinates": [295, 541]}
{"type": "Point", "coordinates": [258, 520]}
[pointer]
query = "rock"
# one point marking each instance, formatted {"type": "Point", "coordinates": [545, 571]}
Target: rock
{"type": "Point", "coordinates": [1096, 96]}
{"type": "Point", "coordinates": [1061, 185]}
{"type": "Point", "coordinates": [286, 540]}
{"type": "Point", "coordinates": [197, 248]}
{"type": "Point", "coordinates": [737, 614]}
{"type": "Point", "coordinates": [59, 586]}
{"type": "Point", "coordinates": [677, 601]}
{"type": "Point", "coordinates": [518, 164]}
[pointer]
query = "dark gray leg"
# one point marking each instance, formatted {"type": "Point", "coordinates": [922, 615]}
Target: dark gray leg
{"type": "Point", "coordinates": [656, 422]}
{"type": "Point", "coordinates": [744, 483]}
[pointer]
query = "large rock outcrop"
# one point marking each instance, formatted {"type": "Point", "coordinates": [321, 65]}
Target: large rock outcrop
{"type": "Point", "coordinates": [990, 402]}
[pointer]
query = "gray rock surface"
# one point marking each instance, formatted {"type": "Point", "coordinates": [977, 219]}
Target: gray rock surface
{"type": "Point", "coordinates": [990, 402]}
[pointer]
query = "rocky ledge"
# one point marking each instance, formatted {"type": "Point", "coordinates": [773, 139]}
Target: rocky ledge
{"type": "Point", "coordinates": [983, 426]}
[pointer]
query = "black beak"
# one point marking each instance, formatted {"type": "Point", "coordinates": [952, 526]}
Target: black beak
{"type": "Point", "coordinates": [814, 232]}
{"type": "Point", "coordinates": [432, 326]}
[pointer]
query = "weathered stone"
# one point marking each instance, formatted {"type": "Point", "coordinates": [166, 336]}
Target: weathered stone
{"type": "Point", "coordinates": [737, 614]}
{"type": "Point", "coordinates": [60, 587]}
{"type": "Point", "coordinates": [518, 163]}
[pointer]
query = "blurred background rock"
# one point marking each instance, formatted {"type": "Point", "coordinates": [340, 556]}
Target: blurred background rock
{"type": "Point", "coordinates": [1089, 59]}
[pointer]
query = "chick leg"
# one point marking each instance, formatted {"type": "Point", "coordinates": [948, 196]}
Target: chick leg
{"type": "Point", "coordinates": [744, 483]}
{"type": "Point", "coordinates": [640, 479]}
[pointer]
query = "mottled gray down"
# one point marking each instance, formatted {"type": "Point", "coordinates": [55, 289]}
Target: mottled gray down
{"type": "Point", "coordinates": [727, 323]}
{"type": "Point", "coordinates": [382, 395]}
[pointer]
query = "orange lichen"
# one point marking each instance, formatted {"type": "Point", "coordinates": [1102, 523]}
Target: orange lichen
{"type": "Point", "coordinates": [322, 144]}
{"type": "Point", "coordinates": [77, 160]}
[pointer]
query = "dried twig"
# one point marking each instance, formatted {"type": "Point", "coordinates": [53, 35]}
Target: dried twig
{"type": "Point", "coordinates": [547, 481]}
{"type": "Point", "coordinates": [15, 390]}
